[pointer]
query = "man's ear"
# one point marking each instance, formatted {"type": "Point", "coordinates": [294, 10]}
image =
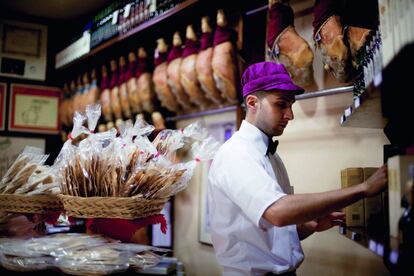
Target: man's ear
{"type": "Point", "coordinates": [252, 102]}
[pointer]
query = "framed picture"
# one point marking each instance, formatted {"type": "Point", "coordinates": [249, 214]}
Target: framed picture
{"type": "Point", "coordinates": [34, 109]}
{"type": "Point", "coordinates": [23, 50]}
{"type": "Point", "coordinates": [221, 129]}
{"type": "Point", "coordinates": [158, 238]}
{"type": "Point", "coordinates": [3, 91]}
{"type": "Point", "coordinates": [11, 147]}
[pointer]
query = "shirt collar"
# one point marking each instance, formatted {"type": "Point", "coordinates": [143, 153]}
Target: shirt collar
{"type": "Point", "coordinates": [255, 135]}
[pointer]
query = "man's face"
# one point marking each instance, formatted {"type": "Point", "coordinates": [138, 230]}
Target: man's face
{"type": "Point", "coordinates": [274, 111]}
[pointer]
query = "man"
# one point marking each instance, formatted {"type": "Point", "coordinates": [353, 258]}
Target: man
{"type": "Point", "coordinates": [256, 221]}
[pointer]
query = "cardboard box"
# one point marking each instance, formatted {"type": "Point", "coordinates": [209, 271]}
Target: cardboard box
{"type": "Point", "coordinates": [354, 213]}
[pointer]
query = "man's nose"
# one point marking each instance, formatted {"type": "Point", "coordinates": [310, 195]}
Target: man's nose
{"type": "Point", "coordinates": [289, 114]}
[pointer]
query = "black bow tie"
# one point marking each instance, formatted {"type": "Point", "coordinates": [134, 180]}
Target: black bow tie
{"type": "Point", "coordinates": [271, 148]}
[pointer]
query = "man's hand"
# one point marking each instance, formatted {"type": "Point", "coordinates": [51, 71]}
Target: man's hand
{"type": "Point", "coordinates": [329, 221]}
{"type": "Point", "coordinates": [377, 182]}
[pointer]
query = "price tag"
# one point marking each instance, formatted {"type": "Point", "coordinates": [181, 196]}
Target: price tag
{"type": "Point", "coordinates": [372, 245]}
{"type": "Point", "coordinates": [127, 10]}
{"type": "Point", "coordinates": [348, 111]}
{"type": "Point", "coordinates": [357, 102]}
{"type": "Point", "coordinates": [393, 257]}
{"type": "Point", "coordinates": [115, 17]}
{"type": "Point", "coordinates": [380, 250]}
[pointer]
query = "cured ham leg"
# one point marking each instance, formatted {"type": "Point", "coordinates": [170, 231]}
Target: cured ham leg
{"type": "Point", "coordinates": [174, 77]}
{"type": "Point", "coordinates": [160, 78]}
{"type": "Point", "coordinates": [114, 95]}
{"type": "Point", "coordinates": [188, 70]}
{"type": "Point", "coordinates": [361, 22]}
{"type": "Point", "coordinates": [328, 36]}
{"type": "Point", "coordinates": [123, 92]}
{"type": "Point", "coordinates": [224, 60]}
{"type": "Point", "coordinates": [204, 68]}
{"type": "Point", "coordinates": [144, 82]}
{"type": "Point", "coordinates": [287, 46]}
{"type": "Point", "coordinates": [132, 87]}
{"type": "Point", "coordinates": [105, 96]}
{"type": "Point", "coordinates": [93, 94]}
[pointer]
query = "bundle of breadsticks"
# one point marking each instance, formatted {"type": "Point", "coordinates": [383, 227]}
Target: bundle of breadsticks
{"type": "Point", "coordinates": [29, 175]}
{"type": "Point", "coordinates": [129, 165]}
{"type": "Point", "coordinates": [26, 176]}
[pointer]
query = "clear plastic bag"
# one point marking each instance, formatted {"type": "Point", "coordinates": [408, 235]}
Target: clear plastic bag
{"type": "Point", "coordinates": [25, 264]}
{"type": "Point", "coordinates": [93, 112]}
{"type": "Point", "coordinates": [22, 168]}
{"type": "Point", "coordinates": [144, 260]}
{"type": "Point", "coordinates": [100, 260]}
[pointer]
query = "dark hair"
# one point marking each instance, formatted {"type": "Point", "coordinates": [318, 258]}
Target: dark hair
{"type": "Point", "coordinates": [259, 94]}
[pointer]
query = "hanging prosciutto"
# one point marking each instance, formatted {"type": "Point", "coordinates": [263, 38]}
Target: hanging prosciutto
{"type": "Point", "coordinates": [132, 87]}
{"type": "Point", "coordinates": [188, 70]}
{"type": "Point", "coordinates": [144, 82]}
{"type": "Point", "coordinates": [105, 97]}
{"type": "Point", "coordinates": [287, 46]}
{"type": "Point", "coordinates": [204, 68]}
{"type": "Point", "coordinates": [224, 60]}
{"type": "Point", "coordinates": [174, 73]}
{"type": "Point", "coordinates": [123, 92]}
{"type": "Point", "coordinates": [329, 39]}
{"type": "Point", "coordinates": [160, 78]}
{"type": "Point", "coordinates": [114, 95]}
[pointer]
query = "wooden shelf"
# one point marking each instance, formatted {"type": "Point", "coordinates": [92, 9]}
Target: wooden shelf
{"type": "Point", "coordinates": [384, 247]}
{"type": "Point", "coordinates": [132, 32]}
{"type": "Point", "coordinates": [366, 111]}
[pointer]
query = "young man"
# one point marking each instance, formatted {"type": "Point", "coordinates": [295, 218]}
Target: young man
{"type": "Point", "coordinates": [256, 221]}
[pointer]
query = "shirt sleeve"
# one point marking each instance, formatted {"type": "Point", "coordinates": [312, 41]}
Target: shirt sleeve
{"type": "Point", "coordinates": [246, 182]}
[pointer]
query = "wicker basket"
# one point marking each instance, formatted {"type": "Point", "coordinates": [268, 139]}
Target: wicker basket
{"type": "Point", "coordinates": [111, 207]}
{"type": "Point", "coordinates": [34, 204]}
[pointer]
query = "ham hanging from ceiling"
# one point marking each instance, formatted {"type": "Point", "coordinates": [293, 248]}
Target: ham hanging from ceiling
{"type": "Point", "coordinates": [287, 46]}
{"type": "Point", "coordinates": [204, 67]}
{"type": "Point", "coordinates": [224, 60]}
{"type": "Point", "coordinates": [188, 70]}
{"type": "Point", "coordinates": [174, 76]}
{"type": "Point", "coordinates": [160, 78]}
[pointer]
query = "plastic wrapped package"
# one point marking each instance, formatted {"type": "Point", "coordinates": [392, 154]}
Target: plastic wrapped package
{"type": "Point", "coordinates": [201, 151]}
{"type": "Point", "coordinates": [25, 264]}
{"type": "Point", "coordinates": [195, 132]}
{"type": "Point", "coordinates": [93, 112]}
{"type": "Point", "coordinates": [144, 260]}
{"type": "Point", "coordinates": [168, 141]}
{"type": "Point", "coordinates": [53, 245]}
{"type": "Point", "coordinates": [142, 256]}
{"type": "Point", "coordinates": [94, 261]}
{"type": "Point", "coordinates": [21, 169]}
{"type": "Point", "coordinates": [143, 128]}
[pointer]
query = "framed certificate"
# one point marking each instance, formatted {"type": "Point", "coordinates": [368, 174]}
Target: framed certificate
{"type": "Point", "coordinates": [3, 91]}
{"type": "Point", "coordinates": [34, 109]}
{"type": "Point", "coordinates": [23, 50]}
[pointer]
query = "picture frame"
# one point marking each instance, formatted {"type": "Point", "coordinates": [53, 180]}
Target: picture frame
{"type": "Point", "coordinates": [23, 50]}
{"type": "Point", "coordinates": [3, 92]}
{"type": "Point", "coordinates": [34, 109]}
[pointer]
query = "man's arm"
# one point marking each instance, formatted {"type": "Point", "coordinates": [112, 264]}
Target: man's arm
{"type": "Point", "coordinates": [320, 224]}
{"type": "Point", "coordinates": [302, 208]}
{"type": "Point", "coordinates": [306, 229]}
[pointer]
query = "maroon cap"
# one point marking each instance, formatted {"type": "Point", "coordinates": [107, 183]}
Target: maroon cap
{"type": "Point", "coordinates": [267, 76]}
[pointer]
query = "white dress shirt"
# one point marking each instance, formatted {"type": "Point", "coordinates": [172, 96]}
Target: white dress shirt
{"type": "Point", "coordinates": [243, 182]}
